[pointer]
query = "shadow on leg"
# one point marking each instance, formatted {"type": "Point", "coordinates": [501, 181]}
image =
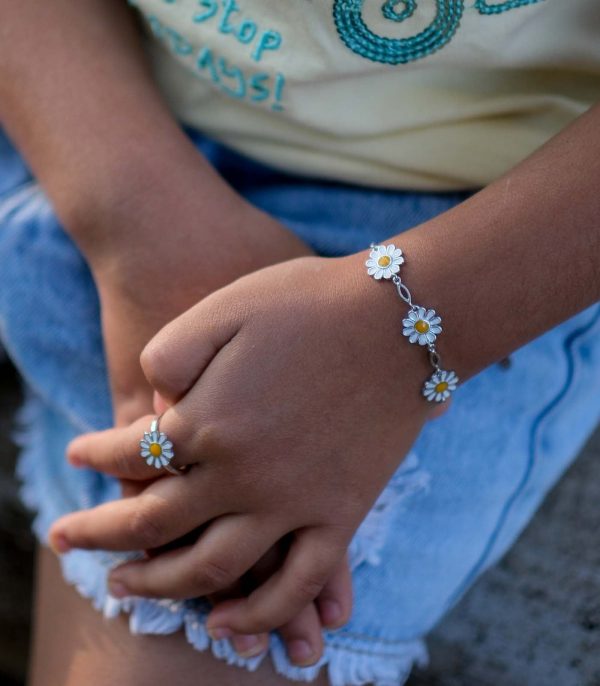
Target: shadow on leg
{"type": "Point", "coordinates": [74, 644]}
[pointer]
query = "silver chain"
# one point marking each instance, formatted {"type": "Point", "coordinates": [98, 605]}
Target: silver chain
{"type": "Point", "coordinates": [403, 291]}
{"type": "Point", "coordinates": [441, 383]}
{"type": "Point", "coordinates": [435, 359]}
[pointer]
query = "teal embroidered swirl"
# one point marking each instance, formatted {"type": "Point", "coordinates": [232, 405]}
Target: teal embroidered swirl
{"type": "Point", "coordinates": [390, 11]}
{"type": "Point", "coordinates": [357, 36]}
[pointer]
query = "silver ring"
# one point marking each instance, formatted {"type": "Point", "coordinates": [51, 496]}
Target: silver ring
{"type": "Point", "coordinates": [157, 450]}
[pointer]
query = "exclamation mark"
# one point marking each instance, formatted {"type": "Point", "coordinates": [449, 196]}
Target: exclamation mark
{"type": "Point", "coordinates": [278, 90]}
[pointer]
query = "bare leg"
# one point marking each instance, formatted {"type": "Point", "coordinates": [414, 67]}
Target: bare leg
{"type": "Point", "coordinates": [75, 645]}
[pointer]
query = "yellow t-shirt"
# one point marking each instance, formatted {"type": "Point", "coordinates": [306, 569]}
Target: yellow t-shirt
{"type": "Point", "coordinates": [420, 94]}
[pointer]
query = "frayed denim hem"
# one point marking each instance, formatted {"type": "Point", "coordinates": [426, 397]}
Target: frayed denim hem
{"type": "Point", "coordinates": [349, 660]}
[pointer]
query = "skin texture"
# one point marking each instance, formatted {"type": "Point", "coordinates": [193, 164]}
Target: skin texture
{"type": "Point", "coordinates": [283, 360]}
{"type": "Point", "coordinates": [253, 424]}
{"type": "Point", "coordinates": [138, 212]}
{"type": "Point", "coordinates": [74, 645]}
{"type": "Point", "coordinates": [505, 240]}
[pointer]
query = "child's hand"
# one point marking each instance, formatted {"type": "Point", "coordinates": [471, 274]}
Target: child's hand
{"type": "Point", "coordinates": [296, 399]}
{"type": "Point", "coordinates": [158, 254]}
{"type": "Point", "coordinates": [161, 256]}
{"type": "Point", "coordinates": [302, 635]}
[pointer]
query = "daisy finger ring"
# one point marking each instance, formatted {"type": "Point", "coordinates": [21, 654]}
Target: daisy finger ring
{"type": "Point", "coordinates": [157, 449]}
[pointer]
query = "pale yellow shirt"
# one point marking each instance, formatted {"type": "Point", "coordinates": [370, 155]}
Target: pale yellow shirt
{"type": "Point", "coordinates": [419, 94]}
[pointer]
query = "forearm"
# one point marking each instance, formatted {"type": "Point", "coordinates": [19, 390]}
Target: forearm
{"type": "Point", "coordinates": [77, 98]}
{"type": "Point", "coordinates": [517, 258]}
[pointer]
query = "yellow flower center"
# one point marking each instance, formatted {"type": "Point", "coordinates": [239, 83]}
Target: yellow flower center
{"type": "Point", "coordinates": [422, 326]}
{"type": "Point", "coordinates": [441, 387]}
{"type": "Point", "coordinates": [155, 450]}
{"type": "Point", "coordinates": [384, 261]}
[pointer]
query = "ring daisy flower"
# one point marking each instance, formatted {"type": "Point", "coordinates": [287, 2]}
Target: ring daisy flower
{"type": "Point", "coordinates": [422, 326]}
{"type": "Point", "coordinates": [156, 449]}
{"type": "Point", "coordinates": [384, 261]}
{"type": "Point", "coordinates": [440, 386]}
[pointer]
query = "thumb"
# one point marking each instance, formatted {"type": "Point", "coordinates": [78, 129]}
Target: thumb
{"type": "Point", "coordinates": [178, 354]}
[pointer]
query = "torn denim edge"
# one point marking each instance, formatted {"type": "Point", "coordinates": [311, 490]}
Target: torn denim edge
{"type": "Point", "coordinates": [349, 661]}
{"type": "Point", "coordinates": [368, 541]}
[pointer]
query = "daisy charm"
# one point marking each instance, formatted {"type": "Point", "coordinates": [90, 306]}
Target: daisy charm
{"type": "Point", "coordinates": [156, 449]}
{"type": "Point", "coordinates": [384, 261]}
{"type": "Point", "coordinates": [440, 385]}
{"type": "Point", "coordinates": [422, 326]}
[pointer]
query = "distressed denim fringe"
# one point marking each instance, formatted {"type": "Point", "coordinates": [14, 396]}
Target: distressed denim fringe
{"type": "Point", "coordinates": [349, 661]}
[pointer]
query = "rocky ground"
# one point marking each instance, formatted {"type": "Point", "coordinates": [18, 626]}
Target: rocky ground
{"type": "Point", "coordinates": [534, 620]}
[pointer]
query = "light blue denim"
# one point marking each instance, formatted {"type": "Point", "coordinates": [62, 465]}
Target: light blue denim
{"type": "Point", "coordinates": [471, 483]}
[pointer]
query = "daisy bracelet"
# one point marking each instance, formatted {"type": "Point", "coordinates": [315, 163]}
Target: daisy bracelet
{"type": "Point", "coordinates": [421, 326]}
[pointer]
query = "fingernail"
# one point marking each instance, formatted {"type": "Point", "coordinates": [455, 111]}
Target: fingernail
{"type": "Point", "coordinates": [331, 612]}
{"type": "Point", "coordinates": [59, 544]}
{"type": "Point", "coordinates": [247, 645]}
{"type": "Point", "coordinates": [74, 460]}
{"type": "Point", "coordinates": [72, 450]}
{"type": "Point", "coordinates": [300, 652]}
{"type": "Point", "coordinates": [117, 589]}
{"type": "Point", "coordinates": [220, 632]}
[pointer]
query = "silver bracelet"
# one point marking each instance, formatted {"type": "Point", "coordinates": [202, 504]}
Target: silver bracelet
{"type": "Point", "coordinates": [421, 326]}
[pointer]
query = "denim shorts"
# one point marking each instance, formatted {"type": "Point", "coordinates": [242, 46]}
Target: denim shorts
{"type": "Point", "coordinates": [471, 482]}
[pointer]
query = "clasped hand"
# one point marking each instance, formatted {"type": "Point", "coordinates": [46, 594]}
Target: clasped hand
{"type": "Point", "coordinates": [292, 399]}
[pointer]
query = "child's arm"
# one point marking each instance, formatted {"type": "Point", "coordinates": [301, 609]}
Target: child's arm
{"type": "Point", "coordinates": [517, 258]}
{"type": "Point", "coordinates": [77, 97]}
{"type": "Point", "coordinates": [297, 396]}
{"type": "Point", "coordinates": [158, 226]}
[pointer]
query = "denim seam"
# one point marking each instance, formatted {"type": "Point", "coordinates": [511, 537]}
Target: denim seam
{"type": "Point", "coordinates": [535, 432]}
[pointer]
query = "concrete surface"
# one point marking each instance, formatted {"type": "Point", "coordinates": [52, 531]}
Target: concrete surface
{"type": "Point", "coordinates": [534, 620]}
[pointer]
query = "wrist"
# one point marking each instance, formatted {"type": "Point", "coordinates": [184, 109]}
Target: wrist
{"type": "Point", "coordinates": [379, 312]}
{"type": "Point", "coordinates": [146, 196]}
{"type": "Point", "coordinates": [441, 277]}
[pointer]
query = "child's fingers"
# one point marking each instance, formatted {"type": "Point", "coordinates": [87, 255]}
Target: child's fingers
{"type": "Point", "coordinates": [178, 354]}
{"type": "Point", "coordinates": [167, 510]}
{"type": "Point", "coordinates": [303, 637]}
{"type": "Point", "coordinates": [159, 404]}
{"type": "Point", "coordinates": [303, 634]}
{"type": "Point", "coordinates": [309, 564]}
{"type": "Point", "coordinates": [117, 451]}
{"type": "Point", "coordinates": [250, 645]}
{"type": "Point", "coordinates": [226, 550]}
{"type": "Point", "coordinates": [335, 600]}
{"type": "Point", "coordinates": [133, 488]}
{"type": "Point", "coordinates": [245, 645]}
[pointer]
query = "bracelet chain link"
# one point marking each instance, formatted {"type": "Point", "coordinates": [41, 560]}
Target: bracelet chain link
{"type": "Point", "coordinates": [422, 325]}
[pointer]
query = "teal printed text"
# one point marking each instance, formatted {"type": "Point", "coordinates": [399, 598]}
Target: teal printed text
{"type": "Point", "coordinates": [227, 14]}
{"type": "Point", "coordinates": [231, 79]}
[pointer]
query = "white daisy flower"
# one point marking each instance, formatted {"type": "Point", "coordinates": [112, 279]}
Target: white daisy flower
{"type": "Point", "coordinates": [440, 385]}
{"type": "Point", "coordinates": [384, 261]}
{"type": "Point", "coordinates": [422, 326]}
{"type": "Point", "coordinates": [156, 449]}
